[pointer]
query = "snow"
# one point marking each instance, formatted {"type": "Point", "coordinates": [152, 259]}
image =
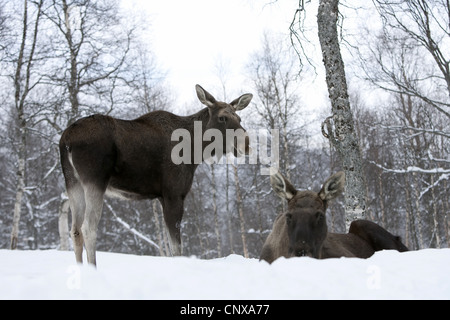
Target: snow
{"type": "Point", "coordinates": [54, 274]}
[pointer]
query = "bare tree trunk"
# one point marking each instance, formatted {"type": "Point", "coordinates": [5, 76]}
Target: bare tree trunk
{"type": "Point", "coordinates": [435, 215]}
{"type": "Point", "coordinates": [216, 217]}
{"type": "Point", "coordinates": [381, 199]}
{"type": "Point", "coordinates": [229, 214]}
{"type": "Point", "coordinates": [241, 211]}
{"type": "Point", "coordinates": [258, 203]}
{"type": "Point", "coordinates": [418, 217]}
{"type": "Point", "coordinates": [447, 230]}
{"type": "Point", "coordinates": [22, 88]}
{"type": "Point", "coordinates": [22, 131]}
{"type": "Point", "coordinates": [343, 138]}
{"type": "Point", "coordinates": [73, 83]}
{"type": "Point", "coordinates": [410, 220]}
{"type": "Point", "coordinates": [445, 209]}
{"type": "Point", "coordinates": [19, 195]}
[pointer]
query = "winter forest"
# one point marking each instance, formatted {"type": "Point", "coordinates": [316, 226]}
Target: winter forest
{"type": "Point", "coordinates": [61, 60]}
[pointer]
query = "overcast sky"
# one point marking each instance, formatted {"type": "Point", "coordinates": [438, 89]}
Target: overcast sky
{"type": "Point", "coordinates": [191, 37]}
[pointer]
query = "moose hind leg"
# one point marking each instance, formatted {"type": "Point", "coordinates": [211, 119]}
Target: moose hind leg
{"type": "Point", "coordinates": [77, 207]}
{"type": "Point", "coordinates": [378, 237]}
{"type": "Point", "coordinates": [93, 212]}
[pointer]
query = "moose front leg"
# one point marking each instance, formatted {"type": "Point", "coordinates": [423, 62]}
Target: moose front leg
{"type": "Point", "coordinates": [173, 213]}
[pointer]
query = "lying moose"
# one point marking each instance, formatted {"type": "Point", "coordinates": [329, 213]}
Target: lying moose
{"type": "Point", "coordinates": [302, 230]}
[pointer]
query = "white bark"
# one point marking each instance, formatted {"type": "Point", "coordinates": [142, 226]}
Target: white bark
{"type": "Point", "coordinates": [18, 203]}
{"type": "Point", "coordinates": [22, 88]}
{"type": "Point", "coordinates": [343, 137]}
{"type": "Point", "coordinates": [241, 211]}
{"type": "Point", "coordinates": [216, 217]}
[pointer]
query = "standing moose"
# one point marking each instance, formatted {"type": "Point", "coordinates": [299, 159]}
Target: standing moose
{"type": "Point", "coordinates": [302, 230]}
{"type": "Point", "coordinates": [132, 159]}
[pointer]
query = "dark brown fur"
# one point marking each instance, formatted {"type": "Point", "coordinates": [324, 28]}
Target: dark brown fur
{"type": "Point", "coordinates": [131, 159]}
{"type": "Point", "coordinates": [302, 230]}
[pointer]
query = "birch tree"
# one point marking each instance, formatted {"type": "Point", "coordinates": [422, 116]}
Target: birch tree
{"type": "Point", "coordinates": [341, 132]}
{"type": "Point", "coordinates": [240, 207]}
{"type": "Point", "coordinates": [23, 84]}
{"type": "Point", "coordinates": [92, 46]}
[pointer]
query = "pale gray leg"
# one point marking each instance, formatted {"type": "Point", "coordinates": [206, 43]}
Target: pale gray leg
{"type": "Point", "coordinates": [94, 206]}
{"type": "Point", "coordinates": [77, 207]}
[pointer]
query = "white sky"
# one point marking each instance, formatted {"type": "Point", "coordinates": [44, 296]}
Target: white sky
{"type": "Point", "coordinates": [189, 38]}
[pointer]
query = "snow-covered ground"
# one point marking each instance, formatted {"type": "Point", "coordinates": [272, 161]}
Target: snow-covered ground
{"type": "Point", "coordinates": [53, 274]}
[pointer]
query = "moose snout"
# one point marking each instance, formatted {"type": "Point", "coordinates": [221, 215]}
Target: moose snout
{"type": "Point", "coordinates": [301, 250]}
{"type": "Point", "coordinates": [302, 253]}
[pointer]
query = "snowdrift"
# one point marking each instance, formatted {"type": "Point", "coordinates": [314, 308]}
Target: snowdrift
{"type": "Point", "coordinates": [54, 274]}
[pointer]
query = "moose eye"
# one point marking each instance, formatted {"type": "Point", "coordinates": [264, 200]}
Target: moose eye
{"type": "Point", "coordinates": [222, 119]}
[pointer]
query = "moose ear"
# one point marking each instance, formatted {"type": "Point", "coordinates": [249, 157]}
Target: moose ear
{"type": "Point", "coordinates": [204, 96]}
{"type": "Point", "coordinates": [282, 187]}
{"type": "Point", "coordinates": [333, 187]}
{"type": "Point", "coordinates": [242, 102]}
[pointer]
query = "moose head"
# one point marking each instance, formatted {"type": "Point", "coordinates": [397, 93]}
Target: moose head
{"type": "Point", "coordinates": [305, 217]}
{"type": "Point", "coordinates": [223, 117]}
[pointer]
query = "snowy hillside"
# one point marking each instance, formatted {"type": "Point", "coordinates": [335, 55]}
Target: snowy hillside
{"type": "Point", "coordinates": [387, 275]}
